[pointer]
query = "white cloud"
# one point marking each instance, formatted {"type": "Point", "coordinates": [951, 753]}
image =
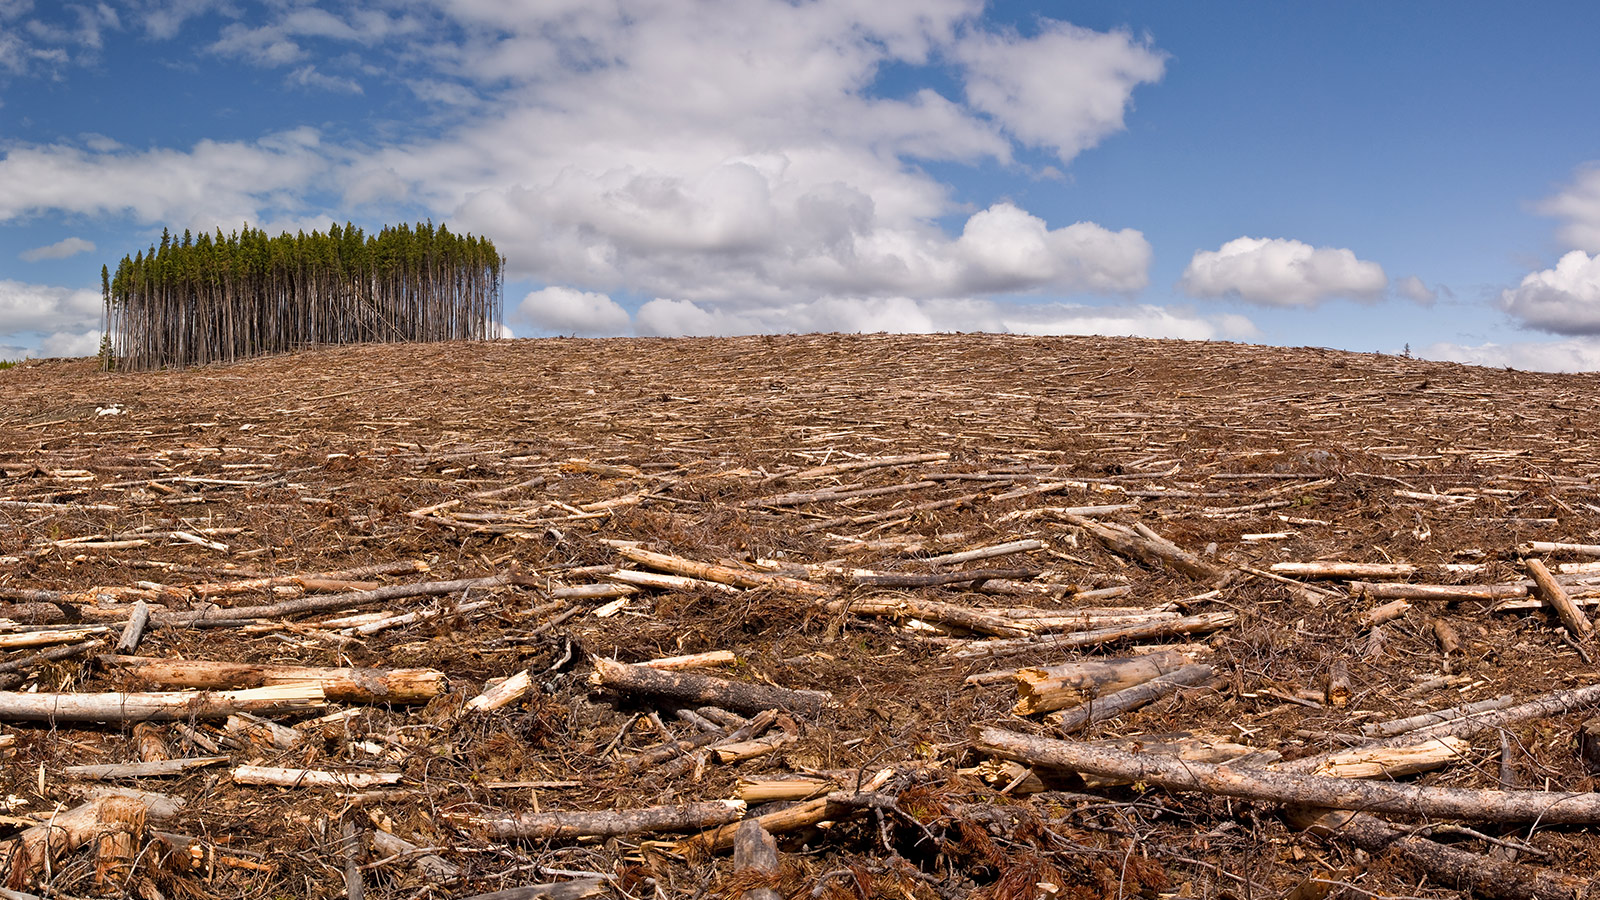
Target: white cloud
{"type": "Point", "coordinates": [1412, 288]}
{"type": "Point", "coordinates": [215, 183]}
{"type": "Point", "coordinates": [1579, 354]}
{"type": "Point", "coordinates": [61, 249]}
{"type": "Point", "coordinates": [1579, 206]}
{"type": "Point", "coordinates": [1562, 300]}
{"type": "Point", "coordinates": [69, 343]}
{"type": "Point", "coordinates": [45, 308]}
{"type": "Point", "coordinates": [1064, 89]}
{"type": "Point", "coordinates": [1281, 272]}
{"type": "Point", "coordinates": [904, 315]}
{"type": "Point", "coordinates": [562, 310]}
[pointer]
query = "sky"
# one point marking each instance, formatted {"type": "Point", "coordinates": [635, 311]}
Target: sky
{"type": "Point", "coordinates": [1417, 177]}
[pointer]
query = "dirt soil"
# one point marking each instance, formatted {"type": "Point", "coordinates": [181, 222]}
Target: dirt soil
{"type": "Point", "coordinates": [116, 488]}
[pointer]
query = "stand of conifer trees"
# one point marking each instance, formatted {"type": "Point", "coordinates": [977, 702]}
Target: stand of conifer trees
{"type": "Point", "coordinates": [217, 299]}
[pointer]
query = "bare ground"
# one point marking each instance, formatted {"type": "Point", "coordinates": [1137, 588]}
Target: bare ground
{"type": "Point", "coordinates": [310, 463]}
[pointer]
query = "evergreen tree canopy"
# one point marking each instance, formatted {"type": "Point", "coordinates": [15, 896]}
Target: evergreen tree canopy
{"type": "Point", "coordinates": [220, 298]}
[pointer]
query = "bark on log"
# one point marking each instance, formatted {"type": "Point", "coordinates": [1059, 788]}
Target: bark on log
{"type": "Point", "coordinates": [340, 685]}
{"type": "Point", "coordinates": [1047, 689]}
{"type": "Point", "coordinates": [1546, 807]}
{"type": "Point", "coordinates": [1484, 876]}
{"type": "Point", "coordinates": [569, 824]}
{"type": "Point", "coordinates": [755, 853]}
{"type": "Point", "coordinates": [695, 688]}
{"type": "Point", "coordinates": [160, 705]}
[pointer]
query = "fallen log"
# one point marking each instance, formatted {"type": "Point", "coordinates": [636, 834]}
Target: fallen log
{"type": "Point", "coordinates": [154, 769]}
{"type": "Point", "coordinates": [904, 607]}
{"type": "Point", "coordinates": [1453, 867]}
{"type": "Point", "coordinates": [1160, 628]}
{"type": "Point", "coordinates": [1442, 592]}
{"type": "Point", "coordinates": [1042, 689]}
{"type": "Point", "coordinates": [1111, 705]}
{"type": "Point", "coordinates": [950, 559]}
{"type": "Point", "coordinates": [744, 578]}
{"type": "Point", "coordinates": [907, 579]}
{"type": "Point", "coordinates": [571, 824]}
{"type": "Point", "coordinates": [1146, 545]}
{"type": "Point", "coordinates": [1555, 597]}
{"type": "Point", "coordinates": [1545, 807]}
{"type": "Point", "coordinates": [576, 889]}
{"type": "Point", "coordinates": [118, 706]}
{"type": "Point", "coordinates": [1343, 570]}
{"type": "Point", "coordinates": [696, 688]}
{"type": "Point", "coordinates": [324, 603]}
{"type": "Point", "coordinates": [1553, 704]}
{"type": "Point", "coordinates": [1394, 762]}
{"type": "Point", "coordinates": [274, 776]}
{"type": "Point", "coordinates": [340, 685]}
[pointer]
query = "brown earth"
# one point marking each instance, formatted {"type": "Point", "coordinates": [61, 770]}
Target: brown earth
{"type": "Point", "coordinates": [310, 463]}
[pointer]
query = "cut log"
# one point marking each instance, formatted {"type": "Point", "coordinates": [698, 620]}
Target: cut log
{"type": "Point", "coordinates": [1394, 762]}
{"type": "Point", "coordinates": [160, 706]}
{"type": "Point", "coordinates": [47, 637]}
{"type": "Point", "coordinates": [696, 688]}
{"type": "Point", "coordinates": [23, 857]}
{"type": "Point", "coordinates": [744, 578]}
{"type": "Point", "coordinates": [576, 889]}
{"type": "Point", "coordinates": [899, 606]}
{"type": "Point", "coordinates": [341, 685]}
{"type": "Point", "coordinates": [1553, 704]}
{"type": "Point", "coordinates": [1148, 546]}
{"type": "Point", "coordinates": [1204, 622]}
{"type": "Point", "coordinates": [1343, 570]}
{"type": "Point", "coordinates": [435, 867]}
{"type": "Point", "coordinates": [1006, 549]}
{"type": "Point", "coordinates": [1555, 597]}
{"type": "Point", "coordinates": [909, 579]}
{"type": "Point", "coordinates": [308, 778]}
{"type": "Point", "coordinates": [1049, 688]}
{"type": "Point", "coordinates": [1546, 807]}
{"type": "Point", "coordinates": [133, 632]}
{"type": "Point", "coordinates": [571, 824]}
{"type": "Point", "coordinates": [1483, 876]}
{"type": "Point", "coordinates": [506, 692]}
{"type": "Point", "coordinates": [707, 660]}
{"type": "Point", "coordinates": [325, 603]}
{"type": "Point", "coordinates": [121, 834]}
{"type": "Point", "coordinates": [1539, 548]}
{"type": "Point", "coordinates": [1421, 720]}
{"type": "Point", "coordinates": [1111, 705]}
{"type": "Point", "coordinates": [1441, 592]}
{"type": "Point", "coordinates": [156, 769]}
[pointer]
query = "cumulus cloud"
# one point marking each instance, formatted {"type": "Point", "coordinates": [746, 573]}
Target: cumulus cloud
{"type": "Point", "coordinates": [1064, 89]}
{"type": "Point", "coordinates": [1281, 272]}
{"type": "Point", "coordinates": [1578, 205]}
{"type": "Point", "coordinates": [562, 310]}
{"type": "Point", "coordinates": [44, 308]}
{"type": "Point", "coordinates": [1562, 300]}
{"type": "Point", "coordinates": [308, 77]}
{"type": "Point", "coordinates": [61, 249]}
{"type": "Point", "coordinates": [214, 183]}
{"type": "Point", "coordinates": [1579, 354]}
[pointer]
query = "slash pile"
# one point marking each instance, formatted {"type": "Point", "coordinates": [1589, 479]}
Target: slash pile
{"type": "Point", "coordinates": [818, 616]}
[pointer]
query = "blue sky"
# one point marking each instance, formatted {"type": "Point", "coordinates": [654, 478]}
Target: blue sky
{"type": "Point", "coordinates": [1367, 176]}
